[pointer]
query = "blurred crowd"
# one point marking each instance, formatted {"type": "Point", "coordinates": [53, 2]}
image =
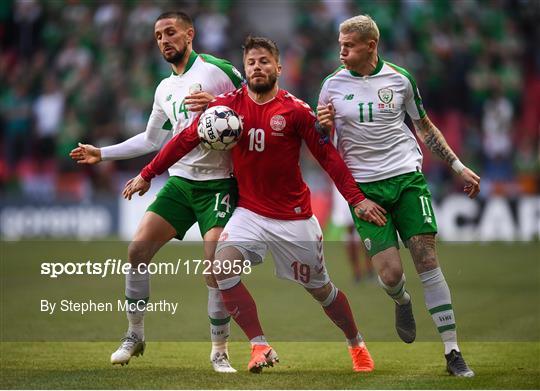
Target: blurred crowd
{"type": "Point", "coordinates": [85, 71]}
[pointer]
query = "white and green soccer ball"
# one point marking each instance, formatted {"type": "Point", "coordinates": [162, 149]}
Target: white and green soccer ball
{"type": "Point", "coordinates": [219, 128]}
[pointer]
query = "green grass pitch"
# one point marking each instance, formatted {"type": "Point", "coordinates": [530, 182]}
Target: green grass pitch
{"type": "Point", "coordinates": [495, 290]}
{"type": "Point", "coordinates": [304, 365]}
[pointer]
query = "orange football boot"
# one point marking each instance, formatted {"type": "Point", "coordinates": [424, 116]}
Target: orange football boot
{"type": "Point", "coordinates": [262, 356]}
{"type": "Point", "coordinates": [362, 361]}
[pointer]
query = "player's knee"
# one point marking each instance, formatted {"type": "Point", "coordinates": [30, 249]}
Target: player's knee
{"type": "Point", "coordinates": [227, 263]}
{"type": "Point", "coordinates": [321, 294]}
{"type": "Point", "coordinates": [210, 280]}
{"type": "Point", "coordinates": [138, 253]}
{"type": "Point", "coordinates": [391, 276]}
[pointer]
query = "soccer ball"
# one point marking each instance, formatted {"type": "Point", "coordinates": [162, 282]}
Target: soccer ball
{"type": "Point", "coordinates": [219, 128]}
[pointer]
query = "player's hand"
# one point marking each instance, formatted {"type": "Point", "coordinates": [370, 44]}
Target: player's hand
{"type": "Point", "coordinates": [371, 212]}
{"type": "Point", "coordinates": [86, 154]}
{"type": "Point", "coordinates": [198, 101]}
{"type": "Point", "coordinates": [135, 185]}
{"type": "Point", "coordinates": [472, 182]}
{"type": "Point", "coordinates": [325, 116]}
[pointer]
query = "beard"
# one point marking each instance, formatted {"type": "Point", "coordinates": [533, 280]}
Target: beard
{"type": "Point", "coordinates": [261, 88]}
{"type": "Point", "coordinates": [177, 56]}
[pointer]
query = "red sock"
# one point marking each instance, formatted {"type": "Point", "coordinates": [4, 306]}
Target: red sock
{"type": "Point", "coordinates": [340, 313]}
{"type": "Point", "coordinates": [243, 309]}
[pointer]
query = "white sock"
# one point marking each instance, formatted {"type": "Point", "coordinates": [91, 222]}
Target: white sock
{"type": "Point", "coordinates": [259, 340]}
{"type": "Point", "coordinates": [220, 321]}
{"type": "Point", "coordinates": [397, 292]}
{"type": "Point", "coordinates": [137, 288]}
{"type": "Point", "coordinates": [439, 305]}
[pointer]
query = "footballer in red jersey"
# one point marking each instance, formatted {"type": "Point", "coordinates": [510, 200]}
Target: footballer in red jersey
{"type": "Point", "coordinates": [274, 210]}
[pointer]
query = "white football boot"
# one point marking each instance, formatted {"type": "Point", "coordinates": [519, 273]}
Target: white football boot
{"type": "Point", "coordinates": [131, 346]}
{"type": "Point", "coordinates": [220, 363]}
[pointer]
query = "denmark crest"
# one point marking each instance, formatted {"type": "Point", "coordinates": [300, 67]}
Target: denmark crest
{"type": "Point", "coordinates": [277, 123]}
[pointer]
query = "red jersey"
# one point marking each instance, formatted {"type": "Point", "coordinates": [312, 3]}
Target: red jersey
{"type": "Point", "coordinates": [266, 158]}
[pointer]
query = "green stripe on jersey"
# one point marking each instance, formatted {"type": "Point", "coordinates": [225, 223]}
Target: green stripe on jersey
{"type": "Point", "coordinates": [441, 308]}
{"type": "Point", "coordinates": [191, 60]}
{"type": "Point", "coordinates": [332, 74]}
{"type": "Point", "coordinates": [417, 98]}
{"type": "Point", "coordinates": [226, 67]}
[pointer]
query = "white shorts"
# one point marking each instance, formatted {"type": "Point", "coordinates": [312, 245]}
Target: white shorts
{"type": "Point", "coordinates": [295, 245]}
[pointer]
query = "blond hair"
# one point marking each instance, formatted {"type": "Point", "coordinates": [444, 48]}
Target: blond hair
{"type": "Point", "coordinates": [364, 25]}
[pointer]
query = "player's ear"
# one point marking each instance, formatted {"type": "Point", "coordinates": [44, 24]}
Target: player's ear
{"type": "Point", "coordinates": [279, 69]}
{"type": "Point", "coordinates": [372, 44]}
{"type": "Point", "coordinates": [191, 34]}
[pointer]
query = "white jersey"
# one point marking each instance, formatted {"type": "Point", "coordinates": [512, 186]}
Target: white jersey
{"type": "Point", "coordinates": [371, 134]}
{"type": "Point", "coordinates": [170, 114]}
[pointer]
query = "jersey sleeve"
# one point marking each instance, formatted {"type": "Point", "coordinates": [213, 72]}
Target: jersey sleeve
{"type": "Point", "coordinates": [179, 146]}
{"type": "Point", "coordinates": [157, 132]}
{"type": "Point", "coordinates": [413, 101]}
{"type": "Point", "coordinates": [324, 99]}
{"type": "Point", "coordinates": [324, 96]}
{"type": "Point", "coordinates": [137, 145]}
{"type": "Point", "coordinates": [327, 156]}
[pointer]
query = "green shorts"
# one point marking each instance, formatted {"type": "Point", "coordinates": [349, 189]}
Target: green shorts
{"type": "Point", "coordinates": [182, 202]}
{"type": "Point", "coordinates": [407, 201]}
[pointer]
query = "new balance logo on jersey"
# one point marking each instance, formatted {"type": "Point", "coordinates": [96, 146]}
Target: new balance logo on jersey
{"type": "Point", "coordinates": [348, 97]}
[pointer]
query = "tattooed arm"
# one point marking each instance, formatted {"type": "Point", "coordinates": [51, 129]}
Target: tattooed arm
{"type": "Point", "coordinates": [436, 143]}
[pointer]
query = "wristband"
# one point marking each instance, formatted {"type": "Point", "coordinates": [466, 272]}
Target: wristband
{"type": "Point", "coordinates": [457, 166]}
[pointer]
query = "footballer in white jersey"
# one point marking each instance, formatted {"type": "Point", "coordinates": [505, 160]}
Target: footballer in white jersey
{"type": "Point", "coordinates": [200, 188]}
{"type": "Point", "coordinates": [205, 72]}
{"type": "Point", "coordinates": [371, 133]}
{"type": "Point", "coordinates": [366, 101]}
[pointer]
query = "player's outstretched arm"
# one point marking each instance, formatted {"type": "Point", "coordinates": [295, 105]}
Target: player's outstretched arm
{"type": "Point", "coordinates": [141, 144]}
{"type": "Point", "coordinates": [86, 154]}
{"type": "Point", "coordinates": [436, 143]}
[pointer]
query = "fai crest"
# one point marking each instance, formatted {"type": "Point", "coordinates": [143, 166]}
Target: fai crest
{"type": "Point", "coordinates": [277, 123]}
{"type": "Point", "coordinates": [386, 95]}
{"type": "Point", "coordinates": [367, 243]}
